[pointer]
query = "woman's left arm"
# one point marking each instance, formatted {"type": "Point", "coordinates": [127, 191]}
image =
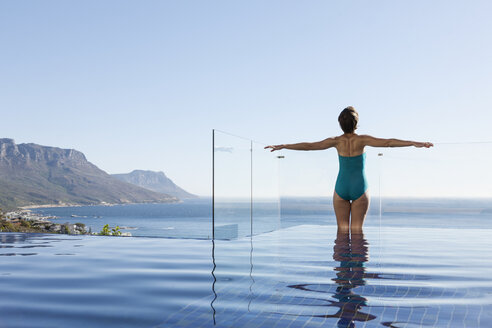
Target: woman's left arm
{"type": "Point", "coordinates": [319, 145]}
{"type": "Point", "coordinates": [380, 142]}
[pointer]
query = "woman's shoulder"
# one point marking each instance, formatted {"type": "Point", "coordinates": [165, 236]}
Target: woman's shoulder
{"type": "Point", "coordinates": [357, 138]}
{"type": "Point", "coordinates": [364, 137]}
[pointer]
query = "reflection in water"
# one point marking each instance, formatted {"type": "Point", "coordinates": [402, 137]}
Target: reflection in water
{"type": "Point", "coordinates": [352, 254]}
{"type": "Point", "coordinates": [214, 281]}
{"type": "Point", "coordinates": [9, 240]}
{"type": "Point", "coordinates": [12, 238]}
{"type": "Point", "coordinates": [251, 295]}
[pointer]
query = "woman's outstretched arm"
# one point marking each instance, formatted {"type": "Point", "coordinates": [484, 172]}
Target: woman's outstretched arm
{"type": "Point", "coordinates": [320, 145]}
{"type": "Point", "coordinates": [380, 142]}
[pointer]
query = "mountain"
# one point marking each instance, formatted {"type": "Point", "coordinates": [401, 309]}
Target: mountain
{"type": "Point", "coordinates": [156, 181]}
{"type": "Point", "coordinates": [31, 174]}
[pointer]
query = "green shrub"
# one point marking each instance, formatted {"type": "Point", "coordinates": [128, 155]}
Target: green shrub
{"type": "Point", "coordinates": [105, 231]}
{"type": "Point", "coordinates": [116, 231]}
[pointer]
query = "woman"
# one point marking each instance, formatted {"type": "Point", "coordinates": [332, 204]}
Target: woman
{"type": "Point", "coordinates": [350, 199]}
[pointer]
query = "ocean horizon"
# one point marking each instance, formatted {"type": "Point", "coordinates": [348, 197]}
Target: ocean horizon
{"type": "Point", "coordinates": [192, 218]}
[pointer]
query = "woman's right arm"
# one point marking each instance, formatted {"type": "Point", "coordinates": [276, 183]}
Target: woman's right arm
{"type": "Point", "coordinates": [380, 142]}
{"type": "Point", "coordinates": [320, 145]}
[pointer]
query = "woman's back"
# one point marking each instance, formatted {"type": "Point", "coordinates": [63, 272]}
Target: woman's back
{"type": "Point", "coordinates": [350, 144]}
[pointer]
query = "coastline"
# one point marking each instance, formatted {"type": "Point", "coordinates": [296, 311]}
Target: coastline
{"type": "Point", "coordinates": [49, 205]}
{"type": "Point", "coordinates": [28, 207]}
{"type": "Point", "coordinates": [27, 221]}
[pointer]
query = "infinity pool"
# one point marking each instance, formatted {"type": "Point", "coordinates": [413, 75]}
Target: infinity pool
{"type": "Point", "coordinates": [302, 276]}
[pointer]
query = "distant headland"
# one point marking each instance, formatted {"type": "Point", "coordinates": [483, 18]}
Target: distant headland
{"type": "Point", "coordinates": [155, 181]}
{"type": "Point", "coordinates": [32, 175]}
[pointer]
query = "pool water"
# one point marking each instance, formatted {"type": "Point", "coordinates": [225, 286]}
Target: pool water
{"type": "Point", "coordinates": [301, 276]}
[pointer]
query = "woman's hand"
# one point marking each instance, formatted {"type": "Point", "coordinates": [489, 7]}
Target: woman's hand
{"type": "Point", "coordinates": [423, 144]}
{"type": "Point", "coordinates": [275, 147]}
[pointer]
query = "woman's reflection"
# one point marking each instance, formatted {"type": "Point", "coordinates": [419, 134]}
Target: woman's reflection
{"type": "Point", "coordinates": [351, 251]}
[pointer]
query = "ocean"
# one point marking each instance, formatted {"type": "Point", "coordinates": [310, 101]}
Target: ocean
{"type": "Point", "coordinates": [192, 218]}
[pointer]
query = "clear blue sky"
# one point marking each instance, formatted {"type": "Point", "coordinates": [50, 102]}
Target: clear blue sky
{"type": "Point", "coordinates": [140, 84]}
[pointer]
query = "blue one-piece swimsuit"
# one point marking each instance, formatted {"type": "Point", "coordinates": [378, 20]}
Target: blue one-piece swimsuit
{"type": "Point", "coordinates": [351, 180]}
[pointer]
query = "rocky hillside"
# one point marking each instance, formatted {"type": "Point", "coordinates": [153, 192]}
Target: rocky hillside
{"type": "Point", "coordinates": [156, 181]}
{"type": "Point", "coordinates": [31, 174]}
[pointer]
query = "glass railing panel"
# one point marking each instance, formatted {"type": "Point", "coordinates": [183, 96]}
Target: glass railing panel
{"type": "Point", "coordinates": [446, 186]}
{"type": "Point", "coordinates": [265, 190]}
{"type": "Point", "coordinates": [246, 199]}
{"type": "Point", "coordinates": [306, 187]}
{"type": "Point", "coordinates": [232, 186]}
